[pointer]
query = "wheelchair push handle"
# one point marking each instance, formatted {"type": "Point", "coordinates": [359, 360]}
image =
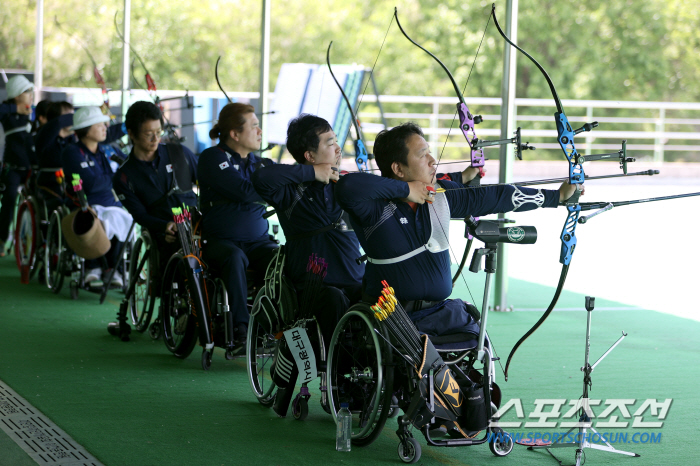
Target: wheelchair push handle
{"type": "Point", "coordinates": [490, 232]}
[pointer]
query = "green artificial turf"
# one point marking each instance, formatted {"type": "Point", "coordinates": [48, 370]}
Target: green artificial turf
{"type": "Point", "coordinates": [135, 404]}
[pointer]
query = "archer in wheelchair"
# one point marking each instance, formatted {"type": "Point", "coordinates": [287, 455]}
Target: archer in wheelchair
{"type": "Point", "coordinates": [406, 242]}
{"type": "Point", "coordinates": [89, 159]}
{"type": "Point", "coordinates": [235, 230]}
{"type": "Point", "coordinates": [316, 233]}
{"type": "Point", "coordinates": [154, 179]}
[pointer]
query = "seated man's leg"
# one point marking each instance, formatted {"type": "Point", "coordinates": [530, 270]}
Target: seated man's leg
{"type": "Point", "coordinates": [328, 305]}
{"type": "Point", "coordinates": [230, 264]}
{"type": "Point", "coordinates": [259, 256]}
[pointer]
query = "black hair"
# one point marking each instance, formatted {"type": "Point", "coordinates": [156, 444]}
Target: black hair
{"type": "Point", "coordinates": [56, 109]}
{"type": "Point", "coordinates": [139, 113]}
{"type": "Point", "coordinates": [391, 146]}
{"type": "Point", "coordinates": [42, 107]}
{"type": "Point", "coordinates": [302, 135]}
{"type": "Point", "coordinates": [40, 110]}
{"type": "Point", "coordinates": [82, 132]}
{"type": "Point", "coordinates": [231, 118]}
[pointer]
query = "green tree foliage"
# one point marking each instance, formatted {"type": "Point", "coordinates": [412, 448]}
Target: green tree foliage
{"type": "Point", "coordinates": [630, 50]}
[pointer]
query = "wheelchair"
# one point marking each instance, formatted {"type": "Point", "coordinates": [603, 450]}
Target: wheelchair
{"type": "Point", "coordinates": [275, 311]}
{"type": "Point", "coordinates": [142, 289]}
{"type": "Point", "coordinates": [194, 304]}
{"type": "Point", "coordinates": [378, 374]}
{"type": "Point", "coordinates": [30, 228]}
{"type": "Point", "coordinates": [59, 261]}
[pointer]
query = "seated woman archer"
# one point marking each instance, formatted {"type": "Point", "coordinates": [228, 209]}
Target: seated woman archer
{"type": "Point", "coordinates": [90, 159]}
{"type": "Point", "coordinates": [233, 228]}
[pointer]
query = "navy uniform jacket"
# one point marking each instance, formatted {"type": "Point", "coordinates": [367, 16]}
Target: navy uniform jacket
{"type": "Point", "coordinates": [139, 185]}
{"type": "Point", "coordinates": [49, 146]}
{"type": "Point", "coordinates": [388, 227]}
{"type": "Point", "coordinates": [231, 207]}
{"type": "Point", "coordinates": [304, 205]}
{"type": "Point", "coordinates": [94, 170]}
{"type": "Point", "coordinates": [19, 147]}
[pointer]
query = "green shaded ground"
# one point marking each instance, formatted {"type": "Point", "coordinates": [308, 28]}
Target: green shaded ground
{"type": "Point", "coordinates": [135, 404]}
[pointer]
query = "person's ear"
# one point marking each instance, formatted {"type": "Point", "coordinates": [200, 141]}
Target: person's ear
{"type": "Point", "coordinates": [234, 135]}
{"type": "Point", "coordinates": [397, 169]}
{"type": "Point", "coordinates": [309, 156]}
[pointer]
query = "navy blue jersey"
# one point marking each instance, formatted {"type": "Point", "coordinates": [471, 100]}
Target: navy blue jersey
{"type": "Point", "coordinates": [388, 227]}
{"type": "Point", "coordinates": [142, 188]}
{"type": "Point", "coordinates": [19, 146]}
{"type": "Point", "coordinates": [49, 146]}
{"type": "Point", "coordinates": [94, 170]}
{"type": "Point", "coordinates": [231, 207]}
{"type": "Point", "coordinates": [305, 205]}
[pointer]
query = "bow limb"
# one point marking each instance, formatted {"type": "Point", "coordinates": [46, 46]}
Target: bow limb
{"type": "Point", "coordinates": [216, 74]}
{"type": "Point", "coordinates": [550, 308]}
{"type": "Point", "coordinates": [467, 121]}
{"type": "Point", "coordinates": [565, 137]}
{"type": "Point", "coordinates": [95, 71]}
{"type": "Point", "coordinates": [150, 84]}
{"type": "Point", "coordinates": [361, 156]}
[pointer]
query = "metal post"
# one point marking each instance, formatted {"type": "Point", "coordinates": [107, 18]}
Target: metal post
{"type": "Point", "coordinates": [39, 52]}
{"type": "Point", "coordinates": [434, 124]}
{"type": "Point", "coordinates": [659, 142]}
{"type": "Point", "coordinates": [589, 134]}
{"type": "Point", "coordinates": [126, 57]}
{"type": "Point", "coordinates": [506, 155]}
{"type": "Point", "coordinates": [264, 68]}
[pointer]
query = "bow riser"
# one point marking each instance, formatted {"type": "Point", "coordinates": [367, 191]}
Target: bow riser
{"type": "Point", "coordinates": [568, 234]}
{"type": "Point", "coordinates": [565, 136]}
{"type": "Point", "coordinates": [466, 124]}
{"type": "Point", "coordinates": [361, 156]}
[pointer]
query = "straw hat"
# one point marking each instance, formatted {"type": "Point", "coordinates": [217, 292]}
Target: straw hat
{"type": "Point", "coordinates": [85, 234]}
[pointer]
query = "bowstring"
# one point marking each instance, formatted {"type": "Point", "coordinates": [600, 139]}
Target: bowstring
{"type": "Point", "coordinates": [371, 73]}
{"type": "Point", "coordinates": [461, 274]}
{"type": "Point", "coordinates": [464, 89]}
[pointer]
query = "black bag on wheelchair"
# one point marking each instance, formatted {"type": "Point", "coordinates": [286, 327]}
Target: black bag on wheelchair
{"type": "Point", "coordinates": [277, 305]}
{"type": "Point", "coordinates": [474, 415]}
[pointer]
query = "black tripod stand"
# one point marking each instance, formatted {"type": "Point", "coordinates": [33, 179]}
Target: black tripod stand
{"type": "Point", "coordinates": [584, 422]}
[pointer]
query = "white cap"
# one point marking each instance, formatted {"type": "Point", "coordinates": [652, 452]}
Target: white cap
{"type": "Point", "coordinates": [18, 85]}
{"type": "Point", "coordinates": [87, 116]}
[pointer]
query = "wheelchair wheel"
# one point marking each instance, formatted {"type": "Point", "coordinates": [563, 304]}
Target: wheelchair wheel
{"type": "Point", "coordinates": [360, 372]}
{"type": "Point", "coordinates": [261, 347]}
{"type": "Point", "coordinates": [410, 453]}
{"type": "Point", "coordinates": [502, 443]}
{"type": "Point", "coordinates": [179, 322]}
{"type": "Point", "coordinates": [142, 300]}
{"type": "Point", "coordinates": [27, 238]}
{"type": "Point", "coordinates": [55, 254]}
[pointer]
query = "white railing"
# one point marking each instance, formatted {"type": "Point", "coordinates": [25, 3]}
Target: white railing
{"type": "Point", "coordinates": [436, 128]}
{"type": "Point", "coordinates": [660, 140]}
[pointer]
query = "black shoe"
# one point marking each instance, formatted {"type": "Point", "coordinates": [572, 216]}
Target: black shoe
{"type": "Point", "coordinates": [282, 400]}
{"type": "Point", "coordinates": [437, 431]}
{"type": "Point", "coordinates": [240, 338]}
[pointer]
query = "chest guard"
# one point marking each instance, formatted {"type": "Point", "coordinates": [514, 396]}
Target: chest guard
{"type": "Point", "coordinates": [439, 225]}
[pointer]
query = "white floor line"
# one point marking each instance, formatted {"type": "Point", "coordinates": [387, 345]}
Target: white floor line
{"type": "Point", "coordinates": [43, 440]}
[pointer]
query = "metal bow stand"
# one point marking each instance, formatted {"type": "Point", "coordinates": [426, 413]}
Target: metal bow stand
{"type": "Point", "coordinates": [585, 431]}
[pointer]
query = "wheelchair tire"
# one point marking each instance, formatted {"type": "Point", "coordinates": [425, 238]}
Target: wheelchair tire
{"type": "Point", "coordinates": [360, 372]}
{"type": "Point", "coordinates": [55, 254]}
{"type": "Point", "coordinates": [27, 238]}
{"type": "Point", "coordinates": [502, 443]}
{"type": "Point", "coordinates": [411, 452]}
{"type": "Point", "coordinates": [142, 300]}
{"type": "Point", "coordinates": [261, 347]}
{"type": "Point", "coordinates": [179, 322]}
